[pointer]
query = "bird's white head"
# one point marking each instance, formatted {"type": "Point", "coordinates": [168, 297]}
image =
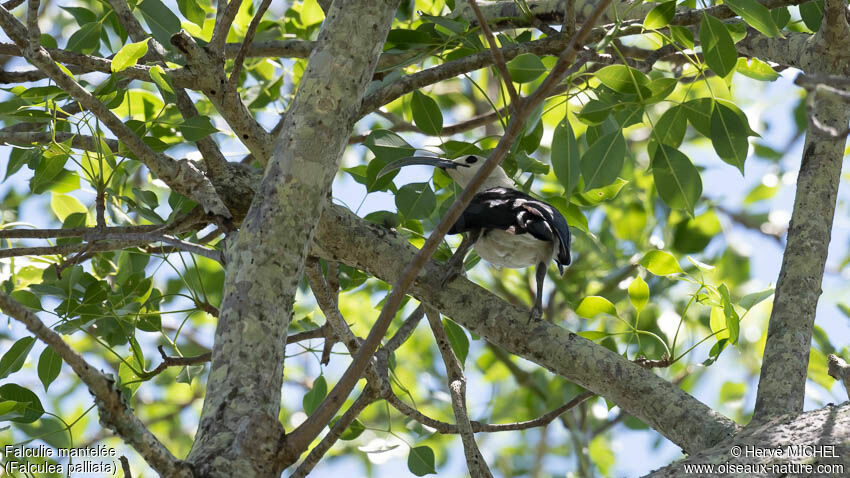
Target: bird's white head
{"type": "Point", "coordinates": [461, 169]}
{"type": "Point", "coordinates": [468, 167]}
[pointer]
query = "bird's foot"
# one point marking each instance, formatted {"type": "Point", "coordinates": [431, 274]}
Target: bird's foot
{"type": "Point", "coordinates": [451, 275]}
{"type": "Point", "coordinates": [536, 314]}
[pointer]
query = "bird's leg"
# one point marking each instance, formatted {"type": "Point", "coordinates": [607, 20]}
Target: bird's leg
{"type": "Point", "coordinates": [540, 276]}
{"type": "Point", "coordinates": [455, 264]}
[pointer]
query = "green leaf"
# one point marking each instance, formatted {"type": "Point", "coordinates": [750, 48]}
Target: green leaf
{"type": "Point", "coordinates": [197, 128]}
{"type": "Point", "coordinates": [717, 46]}
{"type": "Point", "coordinates": [756, 69]}
{"type": "Point", "coordinates": [732, 319]}
{"type": "Point", "coordinates": [63, 205]}
{"type": "Point", "coordinates": [729, 136]}
{"type": "Point", "coordinates": [10, 409]}
{"type": "Point", "coordinates": [162, 21]}
{"type": "Point", "coordinates": [314, 397]}
{"type": "Point", "coordinates": [354, 430]}
{"type": "Point", "coordinates": [32, 411]}
{"type": "Point", "coordinates": [129, 380]}
{"type": "Point", "coordinates": [81, 15]}
{"type": "Point", "coordinates": [595, 112]}
{"type": "Point", "coordinates": [781, 16]}
{"type": "Point", "coordinates": [660, 88]}
{"type": "Point", "coordinates": [158, 76]}
{"type": "Point", "coordinates": [426, 114]}
{"type": "Point", "coordinates": [525, 68]}
{"type": "Point", "coordinates": [458, 340]}
{"type": "Point", "coordinates": [759, 193]}
{"type": "Point", "coordinates": [751, 300]}
{"type": "Point", "coordinates": [415, 200]}
{"type": "Point", "coordinates": [27, 298]}
{"type": "Point", "coordinates": [128, 55]}
{"type": "Point", "coordinates": [660, 16]}
{"type": "Point", "coordinates": [676, 178]}
{"type": "Point", "coordinates": [693, 234]}
{"type": "Point", "coordinates": [594, 305]}
{"type": "Point", "coordinates": [812, 14]}
{"type": "Point", "coordinates": [624, 79]}
{"type": "Point", "coordinates": [731, 391]}
{"type": "Point", "coordinates": [421, 461]}
{"type": "Point", "coordinates": [49, 365]}
{"type": "Point", "coordinates": [596, 196]}
{"type": "Point", "coordinates": [682, 36]}
{"type": "Point", "coordinates": [698, 112]}
{"type": "Point", "coordinates": [14, 358]}
{"type": "Point", "coordinates": [86, 39]}
{"type": "Point", "coordinates": [19, 157]}
{"type": "Point", "coordinates": [638, 293]}
{"type": "Point", "coordinates": [755, 14]}
{"type": "Point", "coordinates": [311, 13]}
{"type": "Point", "coordinates": [670, 128]}
{"type": "Point", "coordinates": [593, 334]}
{"type": "Point", "coordinates": [565, 156]}
{"type": "Point", "coordinates": [192, 11]}
{"type": "Point", "coordinates": [717, 323]}
{"type": "Point", "coordinates": [602, 162]}
{"type": "Point", "coordinates": [660, 263]}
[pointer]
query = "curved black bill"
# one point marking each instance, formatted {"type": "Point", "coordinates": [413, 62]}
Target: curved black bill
{"type": "Point", "coordinates": [420, 160]}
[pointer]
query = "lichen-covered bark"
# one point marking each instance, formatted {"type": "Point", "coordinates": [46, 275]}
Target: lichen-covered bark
{"type": "Point", "coordinates": [818, 429]}
{"type": "Point", "coordinates": [239, 433]}
{"type": "Point", "coordinates": [689, 423]}
{"type": "Point", "coordinates": [508, 13]}
{"type": "Point", "coordinates": [789, 335]}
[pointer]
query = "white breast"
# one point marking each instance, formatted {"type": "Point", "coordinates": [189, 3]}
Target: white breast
{"type": "Point", "coordinates": [515, 251]}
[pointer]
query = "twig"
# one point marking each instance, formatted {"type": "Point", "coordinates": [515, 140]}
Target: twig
{"type": "Point", "coordinates": [373, 390]}
{"type": "Point", "coordinates": [225, 96]}
{"type": "Point", "coordinates": [478, 427]}
{"type": "Point", "coordinates": [181, 176]}
{"type": "Point", "coordinates": [475, 462]}
{"type": "Point", "coordinates": [498, 59]}
{"type": "Point", "coordinates": [112, 242]}
{"type": "Point", "coordinates": [32, 24]}
{"type": "Point", "coordinates": [74, 232]}
{"type": "Point", "coordinates": [223, 20]}
{"type": "Point", "coordinates": [125, 465]}
{"type": "Point", "coordinates": [249, 37]}
{"type": "Point", "coordinates": [174, 362]}
{"type": "Point", "coordinates": [212, 155]}
{"type": "Point", "coordinates": [568, 26]}
{"type": "Point", "coordinates": [113, 411]}
{"type": "Point", "coordinates": [366, 398]}
{"type": "Point", "coordinates": [328, 304]}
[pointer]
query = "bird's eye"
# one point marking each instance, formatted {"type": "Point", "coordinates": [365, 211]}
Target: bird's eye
{"type": "Point", "coordinates": [471, 159]}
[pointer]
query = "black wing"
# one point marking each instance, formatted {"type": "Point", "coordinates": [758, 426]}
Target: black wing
{"type": "Point", "coordinates": [519, 213]}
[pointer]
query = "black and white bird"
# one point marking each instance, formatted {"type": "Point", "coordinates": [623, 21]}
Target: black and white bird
{"type": "Point", "coordinates": [506, 227]}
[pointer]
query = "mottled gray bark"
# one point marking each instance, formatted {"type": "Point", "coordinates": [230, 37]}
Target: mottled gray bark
{"type": "Point", "coordinates": [826, 430]}
{"type": "Point", "coordinates": [239, 433]}
{"type": "Point", "coordinates": [782, 384]}
{"type": "Point", "coordinates": [686, 421]}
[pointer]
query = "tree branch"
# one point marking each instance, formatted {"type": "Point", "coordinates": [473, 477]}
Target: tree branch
{"type": "Point", "coordinates": [239, 432]}
{"type": "Point", "coordinates": [114, 411]}
{"type": "Point", "coordinates": [182, 176]}
{"type": "Point", "coordinates": [345, 238]}
{"type": "Point", "coordinates": [249, 37]}
{"type": "Point", "coordinates": [475, 463]}
{"type": "Point", "coordinates": [213, 158]}
{"type": "Point", "coordinates": [498, 59]}
{"type": "Point", "coordinates": [785, 362]}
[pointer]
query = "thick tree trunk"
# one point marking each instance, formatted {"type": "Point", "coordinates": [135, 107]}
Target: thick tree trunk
{"type": "Point", "coordinates": [239, 433]}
